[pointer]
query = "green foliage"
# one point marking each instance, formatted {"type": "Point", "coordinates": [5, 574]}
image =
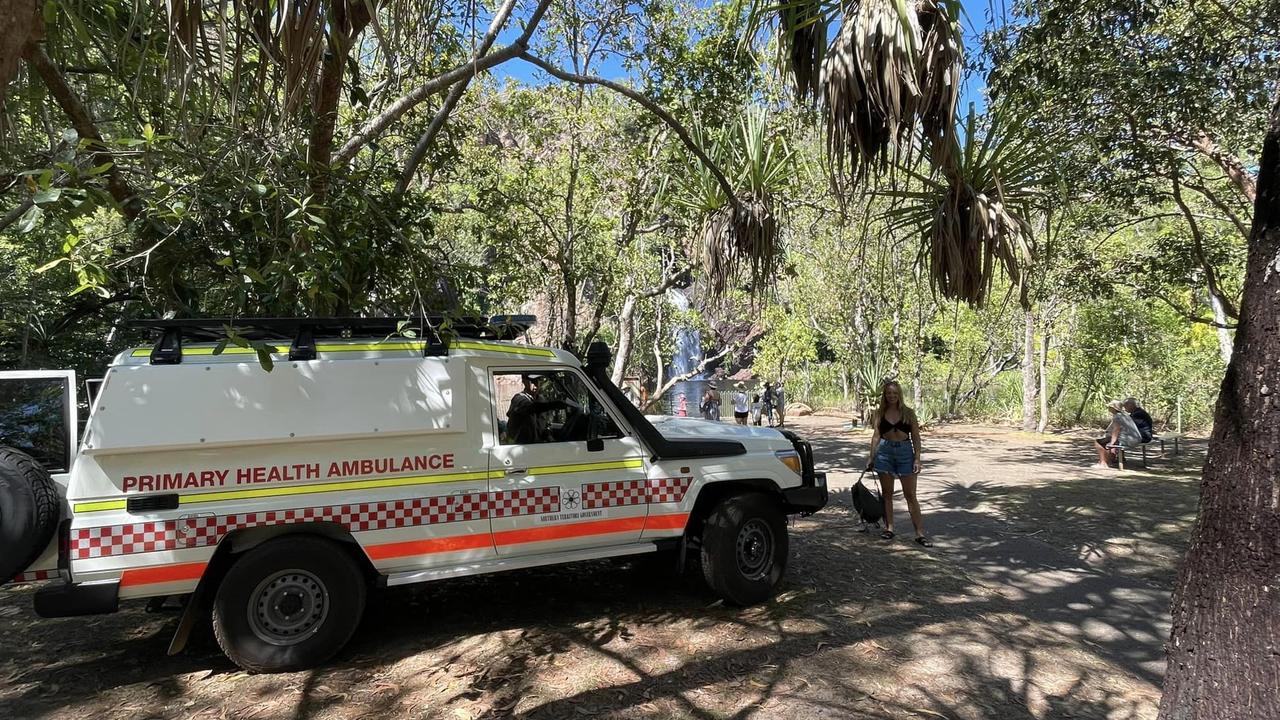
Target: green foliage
{"type": "Point", "coordinates": [788, 343]}
{"type": "Point", "coordinates": [575, 204]}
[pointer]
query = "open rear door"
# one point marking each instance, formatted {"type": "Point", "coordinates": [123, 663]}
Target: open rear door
{"type": "Point", "coordinates": [38, 415]}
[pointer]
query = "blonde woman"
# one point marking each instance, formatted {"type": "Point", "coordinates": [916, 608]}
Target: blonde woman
{"type": "Point", "coordinates": [895, 451]}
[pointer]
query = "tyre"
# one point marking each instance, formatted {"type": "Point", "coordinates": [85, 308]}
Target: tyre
{"type": "Point", "coordinates": [288, 604]}
{"type": "Point", "coordinates": [744, 548]}
{"type": "Point", "coordinates": [28, 511]}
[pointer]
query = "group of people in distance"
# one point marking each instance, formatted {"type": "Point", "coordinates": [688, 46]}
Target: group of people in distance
{"type": "Point", "coordinates": [759, 408]}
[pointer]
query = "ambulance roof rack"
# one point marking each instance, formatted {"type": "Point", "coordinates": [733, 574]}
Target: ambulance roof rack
{"type": "Point", "coordinates": [302, 332]}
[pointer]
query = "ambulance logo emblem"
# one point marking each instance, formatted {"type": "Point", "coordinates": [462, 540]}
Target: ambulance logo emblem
{"type": "Point", "coordinates": [570, 499]}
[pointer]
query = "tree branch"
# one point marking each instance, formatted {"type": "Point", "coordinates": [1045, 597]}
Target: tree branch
{"type": "Point", "coordinates": [657, 394]}
{"type": "Point", "coordinates": [649, 105]}
{"type": "Point", "coordinates": [346, 21]}
{"type": "Point", "coordinates": [83, 122]}
{"type": "Point", "coordinates": [1181, 310]}
{"type": "Point", "coordinates": [415, 97]}
{"type": "Point", "coordinates": [1243, 180]}
{"type": "Point", "coordinates": [437, 122]}
{"type": "Point", "coordinates": [1218, 203]}
{"type": "Point", "coordinates": [1197, 240]}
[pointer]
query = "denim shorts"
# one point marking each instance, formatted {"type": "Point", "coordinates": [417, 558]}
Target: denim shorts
{"type": "Point", "coordinates": [895, 457]}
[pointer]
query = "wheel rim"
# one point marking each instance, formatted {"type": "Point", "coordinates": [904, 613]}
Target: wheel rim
{"type": "Point", "coordinates": [755, 549]}
{"type": "Point", "coordinates": [288, 607]}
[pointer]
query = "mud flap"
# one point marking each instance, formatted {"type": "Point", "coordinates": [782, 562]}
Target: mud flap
{"type": "Point", "coordinates": [201, 601]}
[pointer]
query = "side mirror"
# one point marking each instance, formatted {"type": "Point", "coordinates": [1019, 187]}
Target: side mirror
{"type": "Point", "coordinates": [595, 445]}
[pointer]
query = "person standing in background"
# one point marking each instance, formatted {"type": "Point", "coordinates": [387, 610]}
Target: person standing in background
{"type": "Point", "coordinates": [755, 410]}
{"type": "Point", "coordinates": [767, 402]}
{"type": "Point", "coordinates": [780, 403]}
{"type": "Point", "coordinates": [895, 452]}
{"type": "Point", "coordinates": [740, 405]}
{"type": "Point", "coordinates": [711, 404]}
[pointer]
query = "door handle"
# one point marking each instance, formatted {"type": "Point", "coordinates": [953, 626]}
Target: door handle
{"type": "Point", "coordinates": [517, 470]}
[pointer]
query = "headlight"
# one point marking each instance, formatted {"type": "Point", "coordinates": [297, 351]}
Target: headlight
{"type": "Point", "coordinates": [791, 459]}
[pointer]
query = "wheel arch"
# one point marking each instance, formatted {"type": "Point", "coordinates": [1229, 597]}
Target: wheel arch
{"type": "Point", "coordinates": [238, 542]}
{"type": "Point", "coordinates": [713, 493]}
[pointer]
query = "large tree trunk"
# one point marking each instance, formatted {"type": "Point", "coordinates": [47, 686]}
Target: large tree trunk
{"type": "Point", "coordinates": [1044, 380]}
{"type": "Point", "coordinates": [347, 19]}
{"type": "Point", "coordinates": [1029, 372]}
{"type": "Point", "coordinates": [626, 334]}
{"type": "Point", "coordinates": [1224, 653]}
{"type": "Point", "coordinates": [17, 20]}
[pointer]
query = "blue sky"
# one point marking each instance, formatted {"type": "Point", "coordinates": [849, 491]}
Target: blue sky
{"type": "Point", "coordinates": [978, 18]}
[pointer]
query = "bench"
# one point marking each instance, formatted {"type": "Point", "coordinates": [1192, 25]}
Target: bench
{"type": "Point", "coordinates": [1171, 437]}
{"type": "Point", "coordinates": [1120, 448]}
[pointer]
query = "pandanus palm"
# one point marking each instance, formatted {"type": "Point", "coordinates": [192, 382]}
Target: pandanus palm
{"type": "Point", "coordinates": [888, 85]}
{"type": "Point", "coordinates": [745, 236]}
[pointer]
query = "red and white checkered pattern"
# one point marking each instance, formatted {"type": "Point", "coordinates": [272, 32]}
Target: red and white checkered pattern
{"type": "Point", "coordinates": [123, 539]}
{"type": "Point", "coordinates": [533, 501]}
{"type": "Point", "coordinates": [614, 494]}
{"type": "Point", "coordinates": [35, 576]}
{"type": "Point", "coordinates": [668, 490]}
{"type": "Point", "coordinates": [206, 530]}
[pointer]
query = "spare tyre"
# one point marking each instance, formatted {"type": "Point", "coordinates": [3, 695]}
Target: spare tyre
{"type": "Point", "coordinates": [28, 511]}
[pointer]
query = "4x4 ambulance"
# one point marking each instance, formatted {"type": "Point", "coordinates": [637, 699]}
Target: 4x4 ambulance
{"type": "Point", "coordinates": [273, 499]}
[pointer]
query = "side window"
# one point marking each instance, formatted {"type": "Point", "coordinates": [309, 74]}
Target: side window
{"type": "Point", "coordinates": [548, 406]}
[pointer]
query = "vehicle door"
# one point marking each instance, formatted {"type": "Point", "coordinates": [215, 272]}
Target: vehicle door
{"type": "Point", "coordinates": [562, 472]}
{"type": "Point", "coordinates": [38, 416]}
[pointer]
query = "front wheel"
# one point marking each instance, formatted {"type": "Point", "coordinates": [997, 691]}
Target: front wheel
{"type": "Point", "coordinates": [289, 604]}
{"type": "Point", "coordinates": [744, 548]}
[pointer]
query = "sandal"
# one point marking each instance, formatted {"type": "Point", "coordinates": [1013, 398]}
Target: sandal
{"type": "Point", "coordinates": [886, 535]}
{"type": "Point", "coordinates": [924, 541]}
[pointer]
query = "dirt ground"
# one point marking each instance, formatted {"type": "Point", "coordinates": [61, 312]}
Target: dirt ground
{"type": "Point", "coordinates": [1046, 596]}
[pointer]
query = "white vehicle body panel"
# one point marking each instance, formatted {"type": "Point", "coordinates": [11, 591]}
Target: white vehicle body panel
{"type": "Point", "coordinates": [399, 450]}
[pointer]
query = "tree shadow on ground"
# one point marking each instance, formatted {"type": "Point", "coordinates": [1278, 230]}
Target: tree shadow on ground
{"type": "Point", "coordinates": [852, 613]}
{"type": "Point", "coordinates": [1008, 617]}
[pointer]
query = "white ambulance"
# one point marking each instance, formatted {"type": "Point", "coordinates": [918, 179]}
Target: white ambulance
{"type": "Point", "coordinates": [271, 501]}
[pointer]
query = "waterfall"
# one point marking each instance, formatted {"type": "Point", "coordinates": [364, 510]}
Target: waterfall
{"type": "Point", "coordinates": [688, 355]}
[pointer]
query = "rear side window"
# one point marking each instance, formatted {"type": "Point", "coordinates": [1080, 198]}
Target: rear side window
{"type": "Point", "coordinates": [33, 419]}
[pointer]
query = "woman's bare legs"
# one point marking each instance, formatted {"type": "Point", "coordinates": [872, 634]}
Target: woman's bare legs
{"type": "Point", "coordinates": [913, 505]}
{"type": "Point", "coordinates": [1103, 459]}
{"type": "Point", "coordinates": [886, 489]}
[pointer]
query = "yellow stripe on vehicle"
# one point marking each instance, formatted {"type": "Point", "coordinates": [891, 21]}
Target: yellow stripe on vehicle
{"type": "Point", "coordinates": [587, 467]}
{"type": "Point", "coordinates": [228, 350]}
{"type": "Point", "coordinates": [505, 349]}
{"type": "Point", "coordinates": [100, 505]}
{"type": "Point", "coordinates": [387, 346]}
{"type": "Point", "coordinates": [267, 492]}
{"type": "Point", "coordinates": [370, 484]}
{"type": "Point", "coordinates": [371, 347]}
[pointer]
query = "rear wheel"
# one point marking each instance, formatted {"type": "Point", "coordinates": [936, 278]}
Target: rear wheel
{"type": "Point", "coordinates": [289, 604]}
{"type": "Point", "coordinates": [744, 548]}
{"type": "Point", "coordinates": [28, 511]}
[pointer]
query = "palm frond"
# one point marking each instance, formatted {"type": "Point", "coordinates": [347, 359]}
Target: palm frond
{"type": "Point", "coordinates": [974, 218]}
{"type": "Point", "coordinates": [939, 72]}
{"type": "Point", "coordinates": [739, 245]}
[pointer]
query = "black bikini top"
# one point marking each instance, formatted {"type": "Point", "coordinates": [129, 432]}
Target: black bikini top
{"type": "Point", "coordinates": [902, 425]}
